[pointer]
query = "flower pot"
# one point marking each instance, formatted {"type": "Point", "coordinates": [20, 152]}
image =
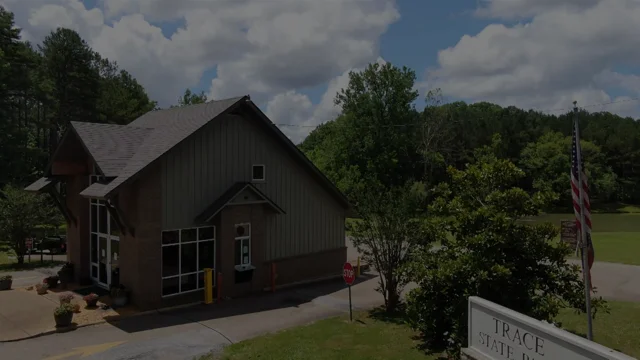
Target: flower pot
{"type": "Point", "coordinates": [41, 291]}
{"type": "Point", "coordinates": [5, 284]}
{"type": "Point", "coordinates": [92, 303]}
{"type": "Point", "coordinates": [63, 320]}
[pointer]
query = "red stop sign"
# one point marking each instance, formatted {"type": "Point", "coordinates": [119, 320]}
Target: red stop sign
{"type": "Point", "coordinates": [348, 274]}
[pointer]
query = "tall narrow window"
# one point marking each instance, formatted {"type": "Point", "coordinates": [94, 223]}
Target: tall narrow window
{"type": "Point", "coordinates": [243, 246]}
{"type": "Point", "coordinates": [258, 173]}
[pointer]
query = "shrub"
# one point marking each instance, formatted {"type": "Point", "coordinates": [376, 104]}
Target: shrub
{"type": "Point", "coordinates": [65, 298]}
{"type": "Point", "coordinates": [64, 309]}
{"type": "Point", "coordinates": [6, 278]}
{"type": "Point", "coordinates": [91, 297]}
{"type": "Point", "coordinates": [492, 255]}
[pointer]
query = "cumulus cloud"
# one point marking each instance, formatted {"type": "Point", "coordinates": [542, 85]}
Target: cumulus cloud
{"type": "Point", "coordinates": [261, 48]}
{"type": "Point", "coordinates": [303, 115]}
{"type": "Point", "coordinates": [567, 51]}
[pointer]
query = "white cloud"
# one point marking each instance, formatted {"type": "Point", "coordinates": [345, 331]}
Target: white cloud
{"type": "Point", "coordinates": [563, 53]}
{"type": "Point", "coordinates": [298, 109]}
{"type": "Point", "coordinates": [259, 47]}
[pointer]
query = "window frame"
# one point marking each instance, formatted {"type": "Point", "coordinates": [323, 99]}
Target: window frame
{"type": "Point", "coordinates": [242, 239]}
{"type": "Point", "coordinates": [264, 173]}
{"type": "Point", "coordinates": [179, 244]}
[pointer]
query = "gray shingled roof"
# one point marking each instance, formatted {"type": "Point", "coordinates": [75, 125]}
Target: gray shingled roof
{"type": "Point", "coordinates": [170, 127]}
{"type": "Point", "coordinates": [111, 146]}
{"type": "Point", "coordinates": [40, 184]}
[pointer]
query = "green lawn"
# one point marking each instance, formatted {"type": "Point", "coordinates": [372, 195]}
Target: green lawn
{"type": "Point", "coordinates": [619, 330]}
{"type": "Point", "coordinates": [368, 338]}
{"type": "Point", "coordinates": [7, 264]}
{"type": "Point", "coordinates": [335, 338]}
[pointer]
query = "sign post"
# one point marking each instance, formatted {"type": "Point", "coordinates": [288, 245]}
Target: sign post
{"type": "Point", "coordinates": [349, 277]}
{"type": "Point", "coordinates": [569, 232]}
{"type": "Point", "coordinates": [29, 243]}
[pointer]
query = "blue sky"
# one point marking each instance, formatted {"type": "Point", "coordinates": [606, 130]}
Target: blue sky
{"type": "Point", "coordinates": [528, 53]}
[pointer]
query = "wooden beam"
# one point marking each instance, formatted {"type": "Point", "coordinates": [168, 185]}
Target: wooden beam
{"type": "Point", "coordinates": [62, 206]}
{"type": "Point", "coordinates": [118, 216]}
{"type": "Point", "coordinates": [69, 168]}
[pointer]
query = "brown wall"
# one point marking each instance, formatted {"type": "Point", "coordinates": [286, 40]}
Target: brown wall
{"type": "Point", "coordinates": [141, 256]}
{"type": "Point", "coordinates": [309, 267]}
{"type": "Point", "coordinates": [78, 234]}
{"type": "Point", "coordinates": [229, 217]}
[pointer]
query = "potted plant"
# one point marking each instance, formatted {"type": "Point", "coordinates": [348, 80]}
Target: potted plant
{"type": "Point", "coordinates": [42, 288]}
{"type": "Point", "coordinates": [65, 298]}
{"type": "Point", "coordinates": [91, 299]}
{"type": "Point", "coordinates": [119, 295]}
{"type": "Point", "coordinates": [5, 282]}
{"type": "Point", "coordinates": [52, 281]}
{"type": "Point", "coordinates": [66, 274]}
{"type": "Point", "coordinates": [63, 315]}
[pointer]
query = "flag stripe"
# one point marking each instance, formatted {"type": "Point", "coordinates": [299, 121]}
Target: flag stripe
{"type": "Point", "coordinates": [576, 190]}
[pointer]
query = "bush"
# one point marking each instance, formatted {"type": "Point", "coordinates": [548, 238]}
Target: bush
{"type": "Point", "coordinates": [90, 298]}
{"type": "Point", "coordinates": [6, 278]}
{"type": "Point", "coordinates": [493, 256]}
{"type": "Point", "coordinates": [65, 298]}
{"type": "Point", "coordinates": [64, 309]}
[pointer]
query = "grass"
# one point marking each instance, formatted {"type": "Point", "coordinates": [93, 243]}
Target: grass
{"type": "Point", "coordinates": [9, 264]}
{"type": "Point", "coordinates": [619, 330]}
{"type": "Point", "coordinates": [336, 338]}
{"type": "Point", "coordinates": [373, 337]}
{"type": "Point", "coordinates": [601, 222]}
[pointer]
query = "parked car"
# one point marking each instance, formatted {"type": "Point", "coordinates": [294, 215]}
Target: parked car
{"type": "Point", "coordinates": [55, 244]}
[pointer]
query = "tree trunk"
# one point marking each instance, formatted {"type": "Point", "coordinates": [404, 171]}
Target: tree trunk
{"type": "Point", "coordinates": [20, 259]}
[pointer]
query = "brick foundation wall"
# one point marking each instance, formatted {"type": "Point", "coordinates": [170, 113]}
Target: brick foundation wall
{"type": "Point", "coordinates": [309, 267]}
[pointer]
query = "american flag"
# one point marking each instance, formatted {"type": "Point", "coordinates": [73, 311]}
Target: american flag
{"type": "Point", "coordinates": [575, 192]}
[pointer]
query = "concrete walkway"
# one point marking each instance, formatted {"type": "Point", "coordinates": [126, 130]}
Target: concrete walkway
{"type": "Point", "coordinates": [187, 333]}
{"type": "Point", "coordinates": [22, 314]}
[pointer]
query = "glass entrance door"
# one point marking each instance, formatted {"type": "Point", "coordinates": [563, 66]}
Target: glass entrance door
{"type": "Point", "coordinates": [104, 244]}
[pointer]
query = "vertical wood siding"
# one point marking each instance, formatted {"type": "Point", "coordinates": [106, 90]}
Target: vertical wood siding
{"type": "Point", "coordinates": [199, 170]}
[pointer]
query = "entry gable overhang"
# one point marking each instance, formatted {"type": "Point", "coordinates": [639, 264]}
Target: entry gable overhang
{"type": "Point", "coordinates": [47, 185]}
{"type": "Point", "coordinates": [71, 156]}
{"type": "Point", "coordinates": [240, 193]}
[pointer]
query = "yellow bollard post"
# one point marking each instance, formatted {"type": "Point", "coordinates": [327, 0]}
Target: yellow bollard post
{"type": "Point", "coordinates": [208, 286]}
{"type": "Point", "coordinates": [358, 268]}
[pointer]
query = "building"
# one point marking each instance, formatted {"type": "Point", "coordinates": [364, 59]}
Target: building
{"type": "Point", "coordinates": [149, 205]}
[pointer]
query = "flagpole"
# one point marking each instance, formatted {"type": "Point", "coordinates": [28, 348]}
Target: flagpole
{"type": "Point", "coordinates": [583, 238]}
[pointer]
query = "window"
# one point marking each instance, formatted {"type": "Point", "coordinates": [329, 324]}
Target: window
{"type": "Point", "coordinates": [242, 251]}
{"type": "Point", "coordinates": [185, 255]}
{"type": "Point", "coordinates": [258, 173]}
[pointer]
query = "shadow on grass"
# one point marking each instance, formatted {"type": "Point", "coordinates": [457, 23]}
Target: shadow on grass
{"type": "Point", "coordinates": [399, 317]}
{"type": "Point", "coordinates": [30, 265]}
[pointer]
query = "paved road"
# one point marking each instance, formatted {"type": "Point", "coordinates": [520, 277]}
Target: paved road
{"type": "Point", "coordinates": [30, 277]}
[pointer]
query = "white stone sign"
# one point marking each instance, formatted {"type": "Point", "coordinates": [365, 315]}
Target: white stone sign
{"type": "Point", "coordinates": [496, 332]}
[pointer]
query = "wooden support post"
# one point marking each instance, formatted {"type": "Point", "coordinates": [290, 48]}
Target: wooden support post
{"type": "Point", "coordinates": [358, 268]}
{"type": "Point", "coordinates": [273, 277]}
{"type": "Point", "coordinates": [208, 286]}
{"type": "Point", "coordinates": [219, 286]}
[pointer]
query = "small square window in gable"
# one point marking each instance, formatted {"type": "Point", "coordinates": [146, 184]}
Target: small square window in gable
{"type": "Point", "coordinates": [258, 173]}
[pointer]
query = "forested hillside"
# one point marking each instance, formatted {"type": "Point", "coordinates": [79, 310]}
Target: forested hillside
{"type": "Point", "coordinates": [44, 87]}
{"type": "Point", "coordinates": [419, 144]}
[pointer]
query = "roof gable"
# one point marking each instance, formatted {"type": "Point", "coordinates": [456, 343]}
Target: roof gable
{"type": "Point", "coordinates": [172, 126]}
{"type": "Point", "coordinates": [111, 146]}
